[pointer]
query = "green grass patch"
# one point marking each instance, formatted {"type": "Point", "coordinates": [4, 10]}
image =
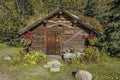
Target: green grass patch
{"type": "Point", "coordinates": [109, 69]}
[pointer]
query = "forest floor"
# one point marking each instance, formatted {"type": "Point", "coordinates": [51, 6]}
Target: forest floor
{"type": "Point", "coordinates": [107, 70]}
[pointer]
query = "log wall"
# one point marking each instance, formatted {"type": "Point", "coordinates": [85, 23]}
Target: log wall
{"type": "Point", "coordinates": [64, 24]}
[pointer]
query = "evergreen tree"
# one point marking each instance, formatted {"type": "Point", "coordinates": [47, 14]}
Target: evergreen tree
{"type": "Point", "coordinates": [90, 8]}
{"type": "Point", "coordinates": [9, 22]}
{"type": "Point", "coordinates": [24, 7]}
{"type": "Point", "coordinates": [50, 5]}
{"type": "Point", "coordinates": [112, 31]}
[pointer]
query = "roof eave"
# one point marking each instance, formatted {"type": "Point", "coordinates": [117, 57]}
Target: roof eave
{"type": "Point", "coordinates": [37, 22]}
{"type": "Point", "coordinates": [54, 12]}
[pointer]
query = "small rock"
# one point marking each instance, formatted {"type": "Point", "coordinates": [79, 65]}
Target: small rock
{"type": "Point", "coordinates": [73, 55]}
{"type": "Point", "coordinates": [54, 69]}
{"type": "Point", "coordinates": [78, 54]}
{"type": "Point", "coordinates": [67, 55]}
{"type": "Point", "coordinates": [7, 57]}
{"type": "Point", "coordinates": [47, 65]}
{"type": "Point", "coordinates": [54, 62]}
{"type": "Point", "coordinates": [83, 75]}
{"type": "Point", "coordinates": [53, 65]}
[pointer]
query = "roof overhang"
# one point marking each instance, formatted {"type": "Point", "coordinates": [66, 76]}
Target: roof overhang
{"type": "Point", "coordinates": [87, 25]}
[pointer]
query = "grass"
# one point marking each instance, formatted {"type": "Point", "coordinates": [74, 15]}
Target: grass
{"type": "Point", "coordinates": [107, 70]}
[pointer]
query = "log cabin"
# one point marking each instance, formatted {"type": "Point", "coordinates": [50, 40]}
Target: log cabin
{"type": "Point", "coordinates": [58, 31]}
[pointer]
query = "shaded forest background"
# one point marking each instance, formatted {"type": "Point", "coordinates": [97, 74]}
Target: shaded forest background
{"type": "Point", "coordinates": [16, 14]}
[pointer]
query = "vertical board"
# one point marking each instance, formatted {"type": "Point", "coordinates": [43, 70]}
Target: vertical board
{"type": "Point", "coordinates": [53, 39]}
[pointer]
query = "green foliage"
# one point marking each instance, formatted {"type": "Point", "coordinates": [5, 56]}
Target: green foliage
{"type": "Point", "coordinates": [101, 44]}
{"type": "Point", "coordinates": [16, 14]}
{"type": "Point", "coordinates": [9, 23]}
{"type": "Point", "coordinates": [92, 55]}
{"type": "Point", "coordinates": [113, 40]}
{"type": "Point", "coordinates": [94, 8]}
{"type": "Point", "coordinates": [24, 8]}
{"type": "Point", "coordinates": [50, 5]}
{"type": "Point", "coordinates": [11, 37]}
{"type": "Point", "coordinates": [93, 41]}
{"type": "Point", "coordinates": [30, 58]}
{"type": "Point", "coordinates": [113, 29]}
{"type": "Point", "coordinates": [90, 9]}
{"type": "Point", "coordinates": [110, 19]}
{"type": "Point", "coordinates": [106, 70]}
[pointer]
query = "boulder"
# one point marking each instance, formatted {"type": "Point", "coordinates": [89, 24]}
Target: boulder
{"type": "Point", "coordinates": [83, 75]}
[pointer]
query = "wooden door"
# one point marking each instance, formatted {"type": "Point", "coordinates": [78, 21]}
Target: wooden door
{"type": "Point", "coordinates": [53, 39]}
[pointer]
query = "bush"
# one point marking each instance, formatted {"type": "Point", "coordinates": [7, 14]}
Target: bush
{"type": "Point", "coordinates": [10, 37]}
{"type": "Point", "coordinates": [30, 58]}
{"type": "Point", "coordinates": [92, 55]}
